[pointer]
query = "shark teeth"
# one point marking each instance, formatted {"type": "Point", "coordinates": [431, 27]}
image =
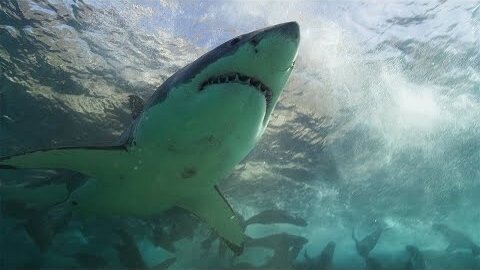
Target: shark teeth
{"type": "Point", "coordinates": [242, 79]}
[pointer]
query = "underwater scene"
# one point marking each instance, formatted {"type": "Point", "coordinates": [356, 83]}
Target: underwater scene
{"type": "Point", "coordinates": [171, 134]}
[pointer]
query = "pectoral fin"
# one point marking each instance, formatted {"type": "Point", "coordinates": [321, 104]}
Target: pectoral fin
{"type": "Point", "coordinates": [211, 207]}
{"type": "Point", "coordinates": [98, 162]}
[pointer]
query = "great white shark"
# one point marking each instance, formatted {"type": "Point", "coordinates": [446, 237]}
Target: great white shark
{"type": "Point", "coordinates": [193, 130]}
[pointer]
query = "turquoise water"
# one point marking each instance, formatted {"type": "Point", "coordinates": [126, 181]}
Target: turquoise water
{"type": "Point", "coordinates": [378, 126]}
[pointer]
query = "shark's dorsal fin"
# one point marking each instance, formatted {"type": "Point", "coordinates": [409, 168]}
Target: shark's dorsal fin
{"type": "Point", "coordinates": [210, 206]}
{"type": "Point", "coordinates": [60, 157]}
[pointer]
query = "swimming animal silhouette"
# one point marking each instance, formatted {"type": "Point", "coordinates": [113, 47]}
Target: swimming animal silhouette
{"type": "Point", "coordinates": [193, 130]}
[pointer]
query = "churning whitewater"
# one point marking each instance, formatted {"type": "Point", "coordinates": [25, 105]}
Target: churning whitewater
{"type": "Point", "coordinates": [360, 152]}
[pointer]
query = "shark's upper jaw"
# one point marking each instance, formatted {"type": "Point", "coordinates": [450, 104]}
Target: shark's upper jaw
{"type": "Point", "coordinates": [266, 55]}
{"type": "Point", "coordinates": [261, 60]}
{"type": "Point", "coordinates": [239, 78]}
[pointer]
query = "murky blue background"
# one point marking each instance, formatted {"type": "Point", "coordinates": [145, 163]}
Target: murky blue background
{"type": "Point", "coordinates": [378, 124]}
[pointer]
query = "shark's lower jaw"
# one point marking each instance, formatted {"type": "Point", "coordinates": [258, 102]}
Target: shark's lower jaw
{"type": "Point", "coordinates": [235, 77]}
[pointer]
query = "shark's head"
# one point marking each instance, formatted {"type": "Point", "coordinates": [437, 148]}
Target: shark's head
{"type": "Point", "coordinates": [212, 112]}
{"type": "Point", "coordinates": [260, 62]}
{"type": "Point", "coordinates": [195, 128]}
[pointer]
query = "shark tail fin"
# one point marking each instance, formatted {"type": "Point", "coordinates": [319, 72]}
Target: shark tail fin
{"type": "Point", "coordinates": [87, 160]}
{"type": "Point", "coordinates": [210, 206]}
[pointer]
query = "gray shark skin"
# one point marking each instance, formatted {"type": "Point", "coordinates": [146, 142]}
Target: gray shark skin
{"type": "Point", "coordinates": [367, 244]}
{"type": "Point", "coordinates": [456, 240]}
{"type": "Point", "coordinates": [194, 129]}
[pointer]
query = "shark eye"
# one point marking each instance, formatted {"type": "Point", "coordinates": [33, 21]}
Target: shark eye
{"type": "Point", "coordinates": [74, 203]}
{"type": "Point", "coordinates": [234, 41]}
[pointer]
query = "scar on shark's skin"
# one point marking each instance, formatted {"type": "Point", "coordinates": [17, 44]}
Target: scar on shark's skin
{"type": "Point", "coordinates": [189, 172]}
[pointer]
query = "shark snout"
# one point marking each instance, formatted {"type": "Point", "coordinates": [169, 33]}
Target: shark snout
{"type": "Point", "coordinates": [290, 30]}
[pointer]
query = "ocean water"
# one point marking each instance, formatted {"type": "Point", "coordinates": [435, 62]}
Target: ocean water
{"type": "Point", "coordinates": [378, 127]}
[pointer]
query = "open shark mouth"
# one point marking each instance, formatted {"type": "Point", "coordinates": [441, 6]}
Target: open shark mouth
{"type": "Point", "coordinates": [242, 79]}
